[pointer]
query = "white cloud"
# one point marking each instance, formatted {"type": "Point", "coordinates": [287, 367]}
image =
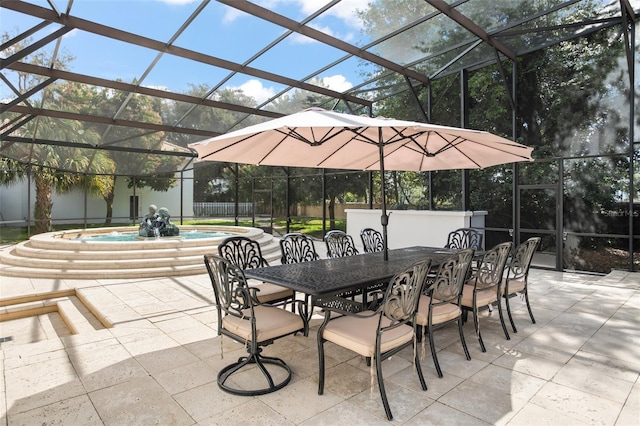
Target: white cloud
{"type": "Point", "coordinates": [163, 88]}
{"type": "Point", "coordinates": [301, 39]}
{"type": "Point", "coordinates": [337, 82]}
{"type": "Point", "coordinates": [71, 33]}
{"type": "Point", "coordinates": [231, 14]}
{"type": "Point", "coordinates": [344, 10]}
{"type": "Point", "coordinates": [260, 93]}
{"type": "Point", "coordinates": [256, 90]}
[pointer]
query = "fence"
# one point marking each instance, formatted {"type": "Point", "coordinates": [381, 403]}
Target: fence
{"type": "Point", "coordinates": [209, 209]}
{"type": "Point", "coordinates": [201, 209]}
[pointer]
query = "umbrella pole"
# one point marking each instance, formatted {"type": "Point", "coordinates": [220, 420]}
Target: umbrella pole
{"type": "Point", "coordinates": [384, 219]}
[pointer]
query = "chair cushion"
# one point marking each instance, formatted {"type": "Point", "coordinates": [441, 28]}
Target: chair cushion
{"type": "Point", "coordinates": [514, 285]}
{"type": "Point", "coordinates": [269, 292]}
{"type": "Point", "coordinates": [271, 322]}
{"type": "Point", "coordinates": [441, 313]}
{"type": "Point", "coordinates": [484, 297]}
{"type": "Point", "coordinates": [358, 333]}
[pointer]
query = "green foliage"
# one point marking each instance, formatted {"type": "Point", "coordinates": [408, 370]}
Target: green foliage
{"type": "Point", "coordinates": [60, 167]}
{"type": "Point", "coordinates": [568, 98]}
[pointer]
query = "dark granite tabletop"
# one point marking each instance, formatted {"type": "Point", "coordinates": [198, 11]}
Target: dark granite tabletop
{"type": "Point", "coordinates": [331, 276]}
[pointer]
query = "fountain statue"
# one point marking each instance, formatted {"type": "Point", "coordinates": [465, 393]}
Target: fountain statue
{"type": "Point", "coordinates": [157, 224]}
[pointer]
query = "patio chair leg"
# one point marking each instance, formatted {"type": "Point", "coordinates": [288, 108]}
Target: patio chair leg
{"type": "Point", "coordinates": [259, 360]}
{"type": "Point", "coordinates": [416, 361]}
{"type": "Point", "coordinates": [320, 366]}
{"type": "Point", "coordinates": [434, 355]}
{"type": "Point", "coordinates": [463, 340]}
{"type": "Point", "coordinates": [383, 393]}
{"type": "Point", "coordinates": [508, 305]}
{"type": "Point", "coordinates": [504, 326]}
{"type": "Point", "coordinates": [526, 298]}
{"type": "Point", "coordinates": [476, 323]}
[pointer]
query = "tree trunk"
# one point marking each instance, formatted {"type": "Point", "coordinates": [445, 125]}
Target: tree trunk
{"type": "Point", "coordinates": [108, 198]}
{"type": "Point", "coordinates": [44, 205]}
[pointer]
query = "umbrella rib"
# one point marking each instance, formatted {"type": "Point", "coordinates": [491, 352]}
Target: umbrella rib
{"type": "Point", "coordinates": [459, 139]}
{"type": "Point", "coordinates": [408, 139]}
{"type": "Point", "coordinates": [227, 146]}
{"type": "Point", "coordinates": [359, 135]}
{"type": "Point", "coordinates": [496, 148]}
{"type": "Point", "coordinates": [327, 136]}
{"type": "Point", "coordinates": [454, 145]}
{"type": "Point", "coordinates": [358, 132]}
{"type": "Point", "coordinates": [284, 136]}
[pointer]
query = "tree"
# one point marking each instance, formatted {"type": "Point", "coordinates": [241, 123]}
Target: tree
{"type": "Point", "coordinates": [338, 183]}
{"type": "Point", "coordinates": [562, 93]}
{"type": "Point", "coordinates": [54, 167]}
{"type": "Point", "coordinates": [141, 170]}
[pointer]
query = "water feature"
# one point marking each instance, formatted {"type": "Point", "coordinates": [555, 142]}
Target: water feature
{"type": "Point", "coordinates": [119, 252]}
{"type": "Point", "coordinates": [132, 236]}
{"type": "Point", "coordinates": [157, 223]}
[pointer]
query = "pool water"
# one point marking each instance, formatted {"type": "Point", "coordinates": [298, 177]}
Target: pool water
{"type": "Point", "coordinates": [133, 236]}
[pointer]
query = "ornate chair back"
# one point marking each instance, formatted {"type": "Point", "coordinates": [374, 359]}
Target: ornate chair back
{"type": "Point", "coordinates": [229, 287]}
{"type": "Point", "coordinates": [371, 240]}
{"type": "Point", "coordinates": [400, 301]}
{"type": "Point", "coordinates": [339, 244]}
{"type": "Point", "coordinates": [245, 253]}
{"type": "Point", "coordinates": [491, 268]}
{"type": "Point", "coordinates": [296, 248]}
{"type": "Point", "coordinates": [242, 252]}
{"type": "Point", "coordinates": [521, 260]}
{"type": "Point", "coordinates": [464, 238]}
{"type": "Point", "coordinates": [451, 277]}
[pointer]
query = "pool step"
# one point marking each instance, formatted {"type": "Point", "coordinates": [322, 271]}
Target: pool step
{"type": "Point", "coordinates": [59, 314]}
{"type": "Point", "coordinates": [47, 257]}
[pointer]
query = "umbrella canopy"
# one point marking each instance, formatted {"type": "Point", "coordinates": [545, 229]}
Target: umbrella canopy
{"type": "Point", "coordinates": [326, 139]}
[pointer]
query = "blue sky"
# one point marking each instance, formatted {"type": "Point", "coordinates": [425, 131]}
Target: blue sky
{"type": "Point", "coordinates": [218, 31]}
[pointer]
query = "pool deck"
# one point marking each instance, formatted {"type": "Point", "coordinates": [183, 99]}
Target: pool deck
{"type": "Point", "coordinates": [145, 351]}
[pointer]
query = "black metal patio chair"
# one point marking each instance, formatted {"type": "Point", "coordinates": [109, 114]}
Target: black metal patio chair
{"type": "Point", "coordinates": [371, 240]}
{"type": "Point", "coordinates": [485, 286]}
{"type": "Point", "coordinates": [296, 247]}
{"type": "Point", "coordinates": [339, 244]}
{"type": "Point", "coordinates": [517, 280]}
{"type": "Point", "coordinates": [246, 254]}
{"type": "Point", "coordinates": [379, 334]}
{"type": "Point", "coordinates": [440, 303]}
{"type": "Point", "coordinates": [243, 318]}
{"type": "Point", "coordinates": [463, 238]}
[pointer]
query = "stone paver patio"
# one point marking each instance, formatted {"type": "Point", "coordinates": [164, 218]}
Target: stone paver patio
{"type": "Point", "coordinates": [125, 352]}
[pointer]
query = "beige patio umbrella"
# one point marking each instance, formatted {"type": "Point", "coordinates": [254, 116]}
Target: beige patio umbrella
{"type": "Point", "coordinates": [326, 139]}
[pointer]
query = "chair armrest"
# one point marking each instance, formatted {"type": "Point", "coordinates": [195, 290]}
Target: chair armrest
{"type": "Point", "coordinates": [252, 294]}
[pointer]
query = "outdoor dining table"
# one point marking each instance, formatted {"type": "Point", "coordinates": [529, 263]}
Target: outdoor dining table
{"type": "Point", "coordinates": [326, 281]}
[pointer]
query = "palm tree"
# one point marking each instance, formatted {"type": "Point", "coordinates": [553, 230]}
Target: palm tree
{"type": "Point", "coordinates": [56, 168]}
